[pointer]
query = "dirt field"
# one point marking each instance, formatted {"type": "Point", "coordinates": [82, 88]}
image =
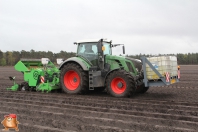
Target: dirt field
{"type": "Point", "coordinates": [170, 108]}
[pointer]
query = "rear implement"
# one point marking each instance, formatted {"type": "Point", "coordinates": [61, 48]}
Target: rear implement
{"type": "Point", "coordinates": [39, 75]}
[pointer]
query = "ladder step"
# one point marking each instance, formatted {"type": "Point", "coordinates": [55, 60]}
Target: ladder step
{"type": "Point", "coordinates": [91, 88]}
{"type": "Point", "coordinates": [91, 81]}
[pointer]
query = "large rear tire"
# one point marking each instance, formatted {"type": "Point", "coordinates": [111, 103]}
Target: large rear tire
{"type": "Point", "coordinates": [73, 79]}
{"type": "Point", "coordinates": [120, 84]}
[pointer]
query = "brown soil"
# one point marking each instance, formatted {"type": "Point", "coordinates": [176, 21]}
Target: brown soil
{"type": "Point", "coordinates": [169, 108]}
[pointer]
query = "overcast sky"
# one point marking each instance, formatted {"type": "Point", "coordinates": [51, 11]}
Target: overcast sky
{"type": "Point", "coordinates": [144, 26]}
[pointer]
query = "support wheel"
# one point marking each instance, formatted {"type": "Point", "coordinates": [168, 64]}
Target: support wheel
{"type": "Point", "coordinates": [24, 86]}
{"type": "Point", "coordinates": [120, 84]}
{"type": "Point", "coordinates": [73, 79]}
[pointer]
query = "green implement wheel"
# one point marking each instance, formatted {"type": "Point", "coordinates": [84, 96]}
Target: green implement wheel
{"type": "Point", "coordinates": [120, 84]}
{"type": "Point", "coordinates": [24, 87]}
{"type": "Point", "coordinates": [73, 79]}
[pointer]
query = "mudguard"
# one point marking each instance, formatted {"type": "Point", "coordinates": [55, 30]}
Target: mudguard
{"type": "Point", "coordinates": [111, 72]}
{"type": "Point", "coordinates": [77, 60]}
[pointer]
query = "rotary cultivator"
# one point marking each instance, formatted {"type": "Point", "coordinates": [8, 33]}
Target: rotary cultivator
{"type": "Point", "coordinates": [95, 68]}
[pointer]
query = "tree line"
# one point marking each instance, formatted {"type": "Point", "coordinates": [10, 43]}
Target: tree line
{"type": "Point", "coordinates": [10, 58]}
{"type": "Point", "coordinates": [182, 59]}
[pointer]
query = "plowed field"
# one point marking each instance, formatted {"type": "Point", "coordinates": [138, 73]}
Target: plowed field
{"type": "Point", "coordinates": [169, 108]}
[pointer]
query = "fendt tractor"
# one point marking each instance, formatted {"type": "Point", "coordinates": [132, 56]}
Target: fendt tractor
{"type": "Point", "coordinates": [95, 68]}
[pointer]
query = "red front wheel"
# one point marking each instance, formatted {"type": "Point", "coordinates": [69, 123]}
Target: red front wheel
{"type": "Point", "coordinates": [120, 83]}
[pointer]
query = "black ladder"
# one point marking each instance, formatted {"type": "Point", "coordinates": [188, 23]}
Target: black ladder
{"type": "Point", "coordinates": [91, 85]}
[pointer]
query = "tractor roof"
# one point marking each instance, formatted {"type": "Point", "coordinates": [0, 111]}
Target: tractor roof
{"type": "Point", "coordinates": [92, 41]}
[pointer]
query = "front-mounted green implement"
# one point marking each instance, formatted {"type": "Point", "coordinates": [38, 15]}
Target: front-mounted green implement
{"type": "Point", "coordinates": [39, 75]}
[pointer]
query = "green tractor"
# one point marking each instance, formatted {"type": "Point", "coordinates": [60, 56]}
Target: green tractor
{"type": "Point", "coordinates": [94, 67]}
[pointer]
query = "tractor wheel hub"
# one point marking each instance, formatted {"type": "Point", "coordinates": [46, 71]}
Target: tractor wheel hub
{"type": "Point", "coordinates": [75, 79]}
{"type": "Point", "coordinates": [120, 85]}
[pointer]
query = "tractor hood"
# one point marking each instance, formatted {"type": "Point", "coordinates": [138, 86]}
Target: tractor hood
{"type": "Point", "coordinates": [137, 63]}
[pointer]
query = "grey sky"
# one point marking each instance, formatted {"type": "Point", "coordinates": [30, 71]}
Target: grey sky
{"type": "Point", "coordinates": [144, 26]}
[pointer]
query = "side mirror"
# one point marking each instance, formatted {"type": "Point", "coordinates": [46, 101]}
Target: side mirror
{"type": "Point", "coordinates": [123, 48]}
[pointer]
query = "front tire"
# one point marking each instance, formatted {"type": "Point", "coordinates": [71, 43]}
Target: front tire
{"type": "Point", "coordinates": [120, 84]}
{"type": "Point", "coordinates": [73, 79]}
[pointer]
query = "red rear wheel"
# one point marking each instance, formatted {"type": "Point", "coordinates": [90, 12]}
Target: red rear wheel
{"type": "Point", "coordinates": [118, 85]}
{"type": "Point", "coordinates": [71, 80]}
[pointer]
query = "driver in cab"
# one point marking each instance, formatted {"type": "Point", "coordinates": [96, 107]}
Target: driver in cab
{"type": "Point", "coordinates": [88, 49]}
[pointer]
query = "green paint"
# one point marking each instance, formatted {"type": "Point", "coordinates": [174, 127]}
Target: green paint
{"type": "Point", "coordinates": [84, 62]}
{"type": "Point", "coordinates": [49, 86]}
{"type": "Point", "coordinates": [120, 62]}
{"type": "Point", "coordinates": [14, 87]}
{"type": "Point", "coordinates": [32, 71]}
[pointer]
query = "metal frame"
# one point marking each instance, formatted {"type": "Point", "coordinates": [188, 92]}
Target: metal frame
{"type": "Point", "coordinates": [159, 82]}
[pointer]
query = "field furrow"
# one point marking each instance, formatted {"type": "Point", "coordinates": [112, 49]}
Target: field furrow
{"type": "Point", "coordinates": [171, 108]}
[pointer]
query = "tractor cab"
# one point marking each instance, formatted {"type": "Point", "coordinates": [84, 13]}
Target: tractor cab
{"type": "Point", "coordinates": [91, 50]}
